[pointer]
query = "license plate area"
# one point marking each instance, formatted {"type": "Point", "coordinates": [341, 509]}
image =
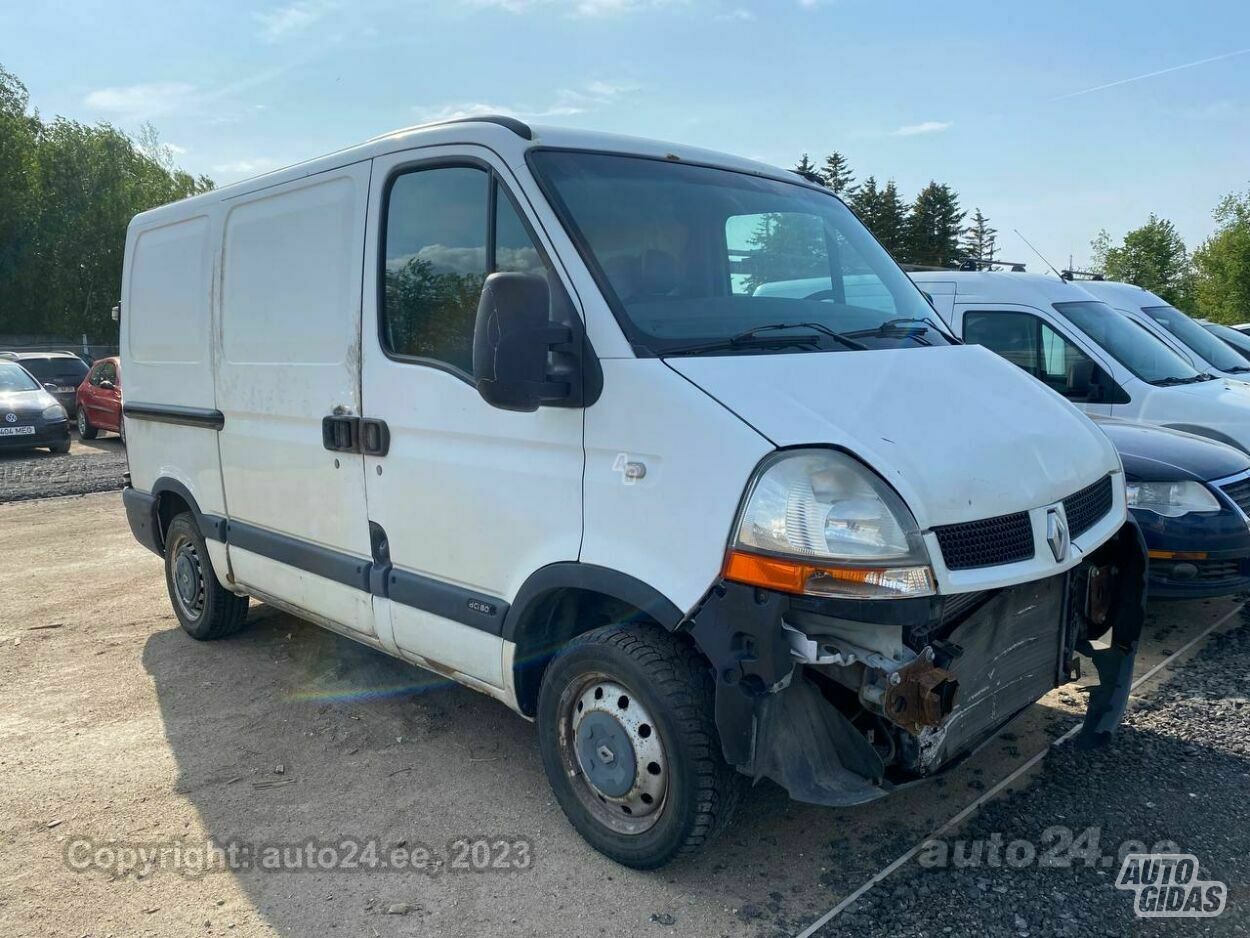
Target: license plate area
{"type": "Point", "coordinates": [17, 431]}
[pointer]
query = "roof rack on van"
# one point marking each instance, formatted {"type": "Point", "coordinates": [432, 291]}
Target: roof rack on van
{"type": "Point", "coordinates": [1081, 275]}
{"type": "Point", "coordinates": [518, 127]}
{"type": "Point", "coordinates": [989, 263]}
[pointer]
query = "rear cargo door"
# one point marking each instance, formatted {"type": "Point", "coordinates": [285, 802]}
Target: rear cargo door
{"type": "Point", "coordinates": [288, 382]}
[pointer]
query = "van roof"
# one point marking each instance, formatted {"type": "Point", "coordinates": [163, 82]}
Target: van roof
{"type": "Point", "coordinates": [994, 286]}
{"type": "Point", "coordinates": [1123, 295]}
{"type": "Point", "coordinates": [504, 135]}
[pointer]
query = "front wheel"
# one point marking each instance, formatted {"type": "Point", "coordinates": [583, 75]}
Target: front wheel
{"type": "Point", "coordinates": [206, 609]}
{"type": "Point", "coordinates": [629, 744]}
{"type": "Point", "coordinates": [85, 430]}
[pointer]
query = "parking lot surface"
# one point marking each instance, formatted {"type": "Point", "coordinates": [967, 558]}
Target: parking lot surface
{"type": "Point", "coordinates": [90, 466]}
{"type": "Point", "coordinates": [119, 729]}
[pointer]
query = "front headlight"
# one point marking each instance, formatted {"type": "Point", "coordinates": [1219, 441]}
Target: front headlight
{"type": "Point", "coordinates": [820, 522]}
{"type": "Point", "coordinates": [1170, 499]}
{"type": "Point", "coordinates": [55, 412]}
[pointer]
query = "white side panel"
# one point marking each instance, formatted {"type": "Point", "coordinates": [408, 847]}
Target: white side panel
{"type": "Point", "coordinates": [448, 644]}
{"type": "Point", "coordinates": [167, 354]}
{"type": "Point", "coordinates": [669, 529]}
{"type": "Point", "coordinates": [334, 601]}
{"type": "Point", "coordinates": [290, 353]}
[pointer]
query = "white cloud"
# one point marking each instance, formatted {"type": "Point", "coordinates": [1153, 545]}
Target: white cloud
{"type": "Point", "coordinates": [281, 22]}
{"type": "Point", "coordinates": [140, 102]}
{"type": "Point", "coordinates": [250, 167]}
{"type": "Point", "coordinates": [739, 14]}
{"type": "Point", "coordinates": [925, 127]}
{"type": "Point", "coordinates": [577, 7]}
{"type": "Point", "coordinates": [568, 102]}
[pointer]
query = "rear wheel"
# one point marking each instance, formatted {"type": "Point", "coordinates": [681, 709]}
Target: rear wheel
{"type": "Point", "coordinates": [629, 744]}
{"type": "Point", "coordinates": [85, 430]}
{"type": "Point", "coordinates": [206, 609]}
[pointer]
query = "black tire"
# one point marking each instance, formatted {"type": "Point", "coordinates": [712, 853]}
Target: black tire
{"type": "Point", "coordinates": [665, 675]}
{"type": "Point", "coordinates": [206, 609]}
{"type": "Point", "coordinates": [60, 448]}
{"type": "Point", "coordinates": [85, 430]}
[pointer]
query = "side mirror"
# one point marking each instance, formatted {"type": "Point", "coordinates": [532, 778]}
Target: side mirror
{"type": "Point", "coordinates": [107, 385]}
{"type": "Point", "coordinates": [513, 339]}
{"type": "Point", "coordinates": [50, 387]}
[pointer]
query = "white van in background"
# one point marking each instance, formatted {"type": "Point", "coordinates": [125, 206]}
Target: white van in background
{"type": "Point", "coordinates": [1205, 351]}
{"type": "Point", "coordinates": [1093, 355]}
{"type": "Point", "coordinates": [507, 403]}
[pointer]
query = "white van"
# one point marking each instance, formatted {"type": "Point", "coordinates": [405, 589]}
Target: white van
{"type": "Point", "coordinates": [1205, 351]}
{"type": "Point", "coordinates": [1090, 353]}
{"type": "Point", "coordinates": [500, 401]}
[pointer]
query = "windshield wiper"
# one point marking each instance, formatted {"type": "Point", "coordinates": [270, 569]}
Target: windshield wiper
{"type": "Point", "coordinates": [750, 338]}
{"type": "Point", "coordinates": [1173, 380]}
{"type": "Point", "coordinates": [894, 325]}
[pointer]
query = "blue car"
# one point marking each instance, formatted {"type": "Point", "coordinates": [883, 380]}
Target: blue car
{"type": "Point", "coordinates": [1191, 498]}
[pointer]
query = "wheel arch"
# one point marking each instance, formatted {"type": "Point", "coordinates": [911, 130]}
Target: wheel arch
{"type": "Point", "coordinates": [563, 600]}
{"type": "Point", "coordinates": [173, 497]}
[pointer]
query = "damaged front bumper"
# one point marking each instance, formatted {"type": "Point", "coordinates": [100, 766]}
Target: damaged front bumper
{"type": "Point", "coordinates": [840, 701]}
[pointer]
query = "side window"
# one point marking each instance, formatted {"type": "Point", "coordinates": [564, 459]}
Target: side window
{"type": "Point", "coordinates": [94, 377]}
{"type": "Point", "coordinates": [1032, 344]}
{"type": "Point", "coordinates": [435, 264]}
{"type": "Point", "coordinates": [107, 373]}
{"type": "Point", "coordinates": [439, 251]}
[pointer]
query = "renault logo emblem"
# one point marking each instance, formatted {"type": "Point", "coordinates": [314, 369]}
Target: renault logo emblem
{"type": "Point", "coordinates": [1057, 534]}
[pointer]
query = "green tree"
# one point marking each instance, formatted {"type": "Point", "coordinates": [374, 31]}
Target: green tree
{"type": "Point", "coordinates": [806, 167]}
{"type": "Point", "coordinates": [67, 193]}
{"type": "Point", "coordinates": [980, 240]}
{"type": "Point", "coordinates": [933, 226]}
{"type": "Point", "coordinates": [836, 174]}
{"type": "Point", "coordinates": [1222, 262]}
{"type": "Point", "coordinates": [1152, 256]}
{"type": "Point", "coordinates": [882, 211]}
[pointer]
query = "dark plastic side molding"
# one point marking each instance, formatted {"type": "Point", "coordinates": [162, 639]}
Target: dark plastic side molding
{"type": "Point", "coordinates": [182, 416]}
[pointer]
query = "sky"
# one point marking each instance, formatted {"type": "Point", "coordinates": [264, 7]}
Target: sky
{"type": "Point", "coordinates": [1057, 119]}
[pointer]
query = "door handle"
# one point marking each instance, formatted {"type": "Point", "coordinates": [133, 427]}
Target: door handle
{"type": "Point", "coordinates": [344, 433]}
{"type": "Point", "coordinates": [341, 433]}
{"type": "Point", "coordinates": [375, 437]}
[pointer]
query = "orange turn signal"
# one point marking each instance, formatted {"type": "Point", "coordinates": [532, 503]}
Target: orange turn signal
{"type": "Point", "coordinates": [795, 576]}
{"type": "Point", "coordinates": [1178, 554]}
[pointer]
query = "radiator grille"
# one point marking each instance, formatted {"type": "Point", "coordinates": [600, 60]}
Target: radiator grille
{"type": "Point", "coordinates": [1239, 492]}
{"type": "Point", "coordinates": [1088, 506]}
{"type": "Point", "coordinates": [987, 543]}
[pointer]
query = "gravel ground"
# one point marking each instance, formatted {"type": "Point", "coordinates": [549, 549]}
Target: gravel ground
{"type": "Point", "coordinates": [89, 466]}
{"type": "Point", "coordinates": [1179, 771]}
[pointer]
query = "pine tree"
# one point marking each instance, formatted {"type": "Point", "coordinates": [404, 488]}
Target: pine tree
{"type": "Point", "coordinates": [891, 222]}
{"type": "Point", "coordinates": [806, 167]}
{"type": "Point", "coordinates": [980, 241]}
{"type": "Point", "coordinates": [865, 202]}
{"type": "Point", "coordinates": [933, 226]}
{"type": "Point", "coordinates": [837, 175]}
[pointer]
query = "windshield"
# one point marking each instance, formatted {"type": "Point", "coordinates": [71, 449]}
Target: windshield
{"type": "Point", "coordinates": [1143, 354]}
{"type": "Point", "coordinates": [1195, 337]}
{"type": "Point", "coordinates": [1238, 340]}
{"type": "Point", "coordinates": [700, 260]}
{"type": "Point", "coordinates": [14, 378]}
{"type": "Point", "coordinates": [60, 371]}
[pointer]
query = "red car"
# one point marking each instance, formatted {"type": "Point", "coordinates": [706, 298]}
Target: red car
{"type": "Point", "coordinates": [100, 400]}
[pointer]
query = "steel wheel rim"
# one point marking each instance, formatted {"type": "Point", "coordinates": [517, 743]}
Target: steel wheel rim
{"type": "Point", "coordinates": [186, 573]}
{"type": "Point", "coordinates": [599, 717]}
{"type": "Point", "coordinates": [82, 422]}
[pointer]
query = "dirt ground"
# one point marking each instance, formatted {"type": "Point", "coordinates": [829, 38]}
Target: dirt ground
{"type": "Point", "coordinates": [115, 726]}
{"type": "Point", "coordinates": [90, 466]}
